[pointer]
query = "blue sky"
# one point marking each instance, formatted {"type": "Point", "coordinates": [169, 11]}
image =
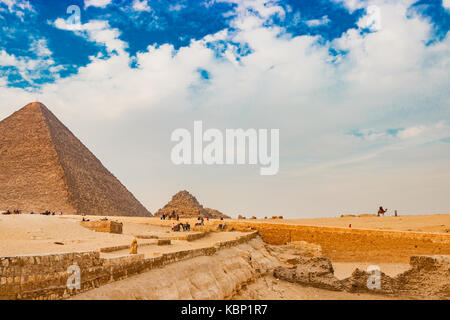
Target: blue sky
{"type": "Point", "coordinates": [29, 25]}
{"type": "Point", "coordinates": [358, 89]}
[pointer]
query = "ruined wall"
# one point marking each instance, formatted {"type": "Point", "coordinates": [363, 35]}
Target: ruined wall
{"type": "Point", "coordinates": [219, 276]}
{"type": "Point", "coordinates": [103, 226]}
{"type": "Point", "coordinates": [45, 276]}
{"type": "Point", "coordinates": [428, 278]}
{"type": "Point", "coordinates": [340, 244]}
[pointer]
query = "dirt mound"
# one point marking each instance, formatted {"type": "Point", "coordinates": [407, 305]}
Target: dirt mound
{"type": "Point", "coordinates": [187, 206]}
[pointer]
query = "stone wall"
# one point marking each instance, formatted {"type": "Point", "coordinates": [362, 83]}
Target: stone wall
{"type": "Point", "coordinates": [45, 276]}
{"type": "Point", "coordinates": [341, 244]}
{"type": "Point", "coordinates": [216, 277]}
{"type": "Point", "coordinates": [103, 226]}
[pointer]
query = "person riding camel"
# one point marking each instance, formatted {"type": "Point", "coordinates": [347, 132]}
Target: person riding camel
{"type": "Point", "coordinates": [381, 211]}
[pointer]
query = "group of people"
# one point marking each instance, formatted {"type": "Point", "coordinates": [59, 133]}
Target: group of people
{"type": "Point", "coordinates": [181, 227]}
{"type": "Point", "coordinates": [14, 212]}
{"type": "Point", "coordinates": [45, 213]}
{"type": "Point", "coordinates": [170, 216]}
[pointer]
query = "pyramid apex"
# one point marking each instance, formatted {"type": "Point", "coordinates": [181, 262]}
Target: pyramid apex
{"type": "Point", "coordinates": [34, 104]}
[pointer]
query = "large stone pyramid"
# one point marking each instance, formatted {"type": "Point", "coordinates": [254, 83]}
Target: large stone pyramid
{"type": "Point", "coordinates": [187, 206]}
{"type": "Point", "coordinates": [43, 166]}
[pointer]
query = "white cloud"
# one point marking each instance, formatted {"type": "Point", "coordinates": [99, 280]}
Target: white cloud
{"type": "Point", "coordinates": [141, 5]}
{"type": "Point", "coordinates": [446, 4]}
{"type": "Point", "coordinates": [39, 46]}
{"type": "Point", "coordinates": [7, 60]}
{"type": "Point", "coordinates": [96, 3]}
{"type": "Point", "coordinates": [18, 7]}
{"type": "Point", "coordinates": [352, 5]}
{"type": "Point", "coordinates": [318, 22]}
{"type": "Point", "coordinates": [96, 30]}
{"type": "Point", "coordinates": [28, 68]}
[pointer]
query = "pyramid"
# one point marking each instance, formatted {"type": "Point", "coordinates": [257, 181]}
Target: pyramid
{"type": "Point", "coordinates": [187, 206]}
{"type": "Point", "coordinates": [43, 166]}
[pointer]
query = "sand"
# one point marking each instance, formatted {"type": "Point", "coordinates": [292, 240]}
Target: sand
{"type": "Point", "coordinates": [37, 234]}
{"type": "Point", "coordinates": [33, 234]}
{"type": "Point", "coordinates": [436, 223]}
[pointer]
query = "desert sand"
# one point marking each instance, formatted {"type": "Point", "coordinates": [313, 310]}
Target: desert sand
{"type": "Point", "coordinates": [36, 234]}
{"type": "Point", "coordinates": [437, 223]}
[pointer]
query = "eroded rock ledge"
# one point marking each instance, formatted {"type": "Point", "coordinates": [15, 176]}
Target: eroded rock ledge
{"type": "Point", "coordinates": [218, 276]}
{"type": "Point", "coordinates": [428, 278]}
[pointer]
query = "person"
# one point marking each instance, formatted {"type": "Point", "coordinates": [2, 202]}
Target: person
{"type": "Point", "coordinates": [381, 211]}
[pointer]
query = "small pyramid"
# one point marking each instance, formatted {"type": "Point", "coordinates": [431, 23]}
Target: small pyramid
{"type": "Point", "coordinates": [45, 167]}
{"type": "Point", "coordinates": [187, 206]}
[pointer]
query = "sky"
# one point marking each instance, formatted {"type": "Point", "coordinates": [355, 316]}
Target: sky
{"type": "Point", "coordinates": [359, 90]}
